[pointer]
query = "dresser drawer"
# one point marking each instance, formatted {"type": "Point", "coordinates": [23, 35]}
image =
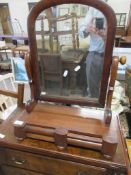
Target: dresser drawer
{"type": "Point", "coordinates": [49, 165]}
{"type": "Point", "coordinates": [8, 170]}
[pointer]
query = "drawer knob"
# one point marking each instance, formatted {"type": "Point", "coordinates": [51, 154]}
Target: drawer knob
{"type": "Point", "coordinates": [18, 161]}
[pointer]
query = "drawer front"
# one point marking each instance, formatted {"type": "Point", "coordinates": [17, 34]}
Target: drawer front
{"type": "Point", "coordinates": [48, 165]}
{"type": "Point", "coordinates": [8, 170]}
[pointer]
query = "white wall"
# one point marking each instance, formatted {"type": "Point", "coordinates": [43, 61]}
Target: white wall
{"type": "Point", "coordinates": [120, 6]}
{"type": "Point", "coordinates": [19, 9]}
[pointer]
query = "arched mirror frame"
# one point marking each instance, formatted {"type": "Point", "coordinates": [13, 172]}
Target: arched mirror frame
{"type": "Point", "coordinates": [111, 24]}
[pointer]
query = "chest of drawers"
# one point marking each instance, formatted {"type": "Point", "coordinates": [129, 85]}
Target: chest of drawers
{"type": "Point", "coordinates": [36, 157]}
{"type": "Point", "coordinates": [25, 162]}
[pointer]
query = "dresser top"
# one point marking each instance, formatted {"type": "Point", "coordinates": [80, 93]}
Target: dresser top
{"type": "Point", "coordinates": [72, 153]}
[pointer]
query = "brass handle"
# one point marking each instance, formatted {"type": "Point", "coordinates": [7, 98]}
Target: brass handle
{"type": "Point", "coordinates": [18, 161]}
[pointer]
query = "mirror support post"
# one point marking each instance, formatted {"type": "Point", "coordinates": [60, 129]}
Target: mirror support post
{"type": "Point", "coordinates": [113, 74]}
{"type": "Point", "coordinates": [31, 103]}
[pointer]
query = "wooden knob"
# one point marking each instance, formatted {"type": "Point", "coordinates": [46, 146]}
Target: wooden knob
{"type": "Point", "coordinates": [123, 60]}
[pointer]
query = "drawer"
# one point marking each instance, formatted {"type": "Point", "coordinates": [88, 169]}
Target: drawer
{"type": "Point", "coordinates": [8, 170]}
{"type": "Point", "coordinates": [49, 165]}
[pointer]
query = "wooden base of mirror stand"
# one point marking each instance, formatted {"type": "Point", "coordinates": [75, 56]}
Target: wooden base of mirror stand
{"type": "Point", "coordinates": [51, 123]}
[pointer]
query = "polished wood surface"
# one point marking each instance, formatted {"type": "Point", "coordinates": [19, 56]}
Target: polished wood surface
{"type": "Point", "coordinates": [24, 48]}
{"type": "Point", "coordinates": [48, 124]}
{"type": "Point", "coordinates": [8, 170]}
{"type": "Point", "coordinates": [19, 95]}
{"type": "Point", "coordinates": [121, 30]}
{"type": "Point", "coordinates": [42, 164]}
{"type": "Point", "coordinates": [108, 114]}
{"type": "Point", "coordinates": [74, 154]}
{"type": "Point", "coordinates": [124, 41]}
{"type": "Point", "coordinates": [126, 153]}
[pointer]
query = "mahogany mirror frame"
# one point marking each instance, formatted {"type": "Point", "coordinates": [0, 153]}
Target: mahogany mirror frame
{"type": "Point", "coordinates": [111, 25]}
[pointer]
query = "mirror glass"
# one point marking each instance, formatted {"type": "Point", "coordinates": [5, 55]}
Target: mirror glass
{"type": "Point", "coordinates": [70, 45]}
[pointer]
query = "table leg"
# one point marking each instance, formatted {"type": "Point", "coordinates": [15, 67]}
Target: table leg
{"type": "Point", "coordinates": [72, 80]}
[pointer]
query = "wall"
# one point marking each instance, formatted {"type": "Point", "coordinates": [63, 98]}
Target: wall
{"type": "Point", "coordinates": [120, 6]}
{"type": "Point", "coordinates": [19, 9]}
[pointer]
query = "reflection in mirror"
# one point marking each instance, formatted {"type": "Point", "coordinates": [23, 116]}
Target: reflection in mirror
{"type": "Point", "coordinates": [70, 43]}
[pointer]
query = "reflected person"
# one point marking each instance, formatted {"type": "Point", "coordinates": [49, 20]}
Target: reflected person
{"type": "Point", "coordinates": [94, 25]}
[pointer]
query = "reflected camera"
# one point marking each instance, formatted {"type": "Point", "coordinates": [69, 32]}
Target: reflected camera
{"type": "Point", "coordinates": [99, 23]}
